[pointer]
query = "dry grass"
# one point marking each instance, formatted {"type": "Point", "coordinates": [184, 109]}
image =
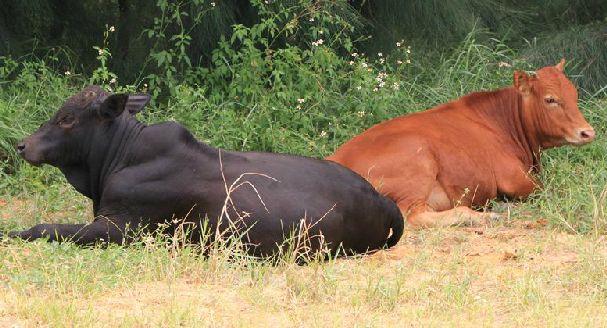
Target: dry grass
{"type": "Point", "coordinates": [515, 274]}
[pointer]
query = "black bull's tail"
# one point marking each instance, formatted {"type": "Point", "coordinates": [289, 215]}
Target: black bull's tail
{"type": "Point", "coordinates": [398, 224]}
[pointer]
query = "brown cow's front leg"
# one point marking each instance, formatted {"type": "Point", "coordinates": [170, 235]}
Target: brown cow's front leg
{"type": "Point", "coordinates": [101, 230]}
{"type": "Point", "coordinates": [424, 217]}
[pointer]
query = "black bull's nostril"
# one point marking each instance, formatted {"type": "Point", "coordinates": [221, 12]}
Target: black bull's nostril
{"type": "Point", "coordinates": [21, 147]}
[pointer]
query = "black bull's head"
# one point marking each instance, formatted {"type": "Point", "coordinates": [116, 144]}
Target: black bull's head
{"type": "Point", "coordinates": [73, 124]}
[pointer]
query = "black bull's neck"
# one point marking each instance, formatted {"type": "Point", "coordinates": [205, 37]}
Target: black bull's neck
{"type": "Point", "coordinates": [106, 151]}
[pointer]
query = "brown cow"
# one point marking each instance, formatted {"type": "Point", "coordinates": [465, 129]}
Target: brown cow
{"type": "Point", "coordinates": [437, 163]}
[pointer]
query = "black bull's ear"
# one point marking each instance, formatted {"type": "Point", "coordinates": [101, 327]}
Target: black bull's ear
{"type": "Point", "coordinates": [115, 104]}
{"type": "Point", "coordinates": [136, 102]}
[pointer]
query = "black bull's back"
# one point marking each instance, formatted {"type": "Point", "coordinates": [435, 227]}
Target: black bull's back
{"type": "Point", "coordinates": [263, 197]}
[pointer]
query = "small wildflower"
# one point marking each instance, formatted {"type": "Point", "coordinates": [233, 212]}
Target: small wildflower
{"type": "Point", "coordinates": [323, 133]}
{"type": "Point", "coordinates": [298, 107]}
{"type": "Point", "coordinates": [408, 51]}
{"type": "Point", "coordinates": [408, 61]}
{"type": "Point", "coordinates": [267, 2]}
{"type": "Point", "coordinates": [318, 42]}
{"type": "Point", "coordinates": [361, 113]}
{"type": "Point", "coordinates": [400, 62]}
{"type": "Point", "coordinates": [320, 32]}
{"type": "Point", "coordinates": [365, 65]}
{"type": "Point", "coordinates": [212, 4]}
{"type": "Point", "coordinates": [381, 60]}
{"type": "Point", "coordinates": [311, 18]}
{"type": "Point", "coordinates": [358, 87]}
{"type": "Point", "coordinates": [379, 54]}
{"type": "Point", "coordinates": [301, 100]}
{"type": "Point", "coordinates": [369, 69]}
{"type": "Point", "coordinates": [396, 86]}
{"type": "Point", "coordinates": [100, 51]}
{"type": "Point", "coordinates": [398, 44]}
{"type": "Point", "coordinates": [351, 62]}
{"type": "Point", "coordinates": [112, 29]}
{"type": "Point", "coordinates": [375, 89]}
{"type": "Point", "coordinates": [503, 64]}
{"type": "Point", "coordinates": [382, 84]}
{"type": "Point", "coordinates": [354, 54]}
{"type": "Point", "coordinates": [68, 73]}
{"type": "Point", "coordinates": [113, 80]}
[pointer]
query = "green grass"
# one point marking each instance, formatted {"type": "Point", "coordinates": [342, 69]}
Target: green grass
{"type": "Point", "coordinates": [438, 277]}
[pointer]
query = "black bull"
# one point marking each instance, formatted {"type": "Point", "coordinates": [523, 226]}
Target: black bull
{"type": "Point", "coordinates": [149, 175]}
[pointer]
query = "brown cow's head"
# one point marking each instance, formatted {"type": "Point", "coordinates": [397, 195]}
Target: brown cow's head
{"type": "Point", "coordinates": [62, 139]}
{"type": "Point", "coordinates": [550, 102]}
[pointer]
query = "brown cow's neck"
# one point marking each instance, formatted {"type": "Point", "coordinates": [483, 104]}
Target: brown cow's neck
{"type": "Point", "coordinates": [503, 110]}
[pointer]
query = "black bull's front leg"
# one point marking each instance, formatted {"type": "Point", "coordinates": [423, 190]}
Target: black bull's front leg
{"type": "Point", "coordinates": [102, 230]}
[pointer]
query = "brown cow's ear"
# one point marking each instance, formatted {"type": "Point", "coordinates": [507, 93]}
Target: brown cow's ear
{"type": "Point", "coordinates": [522, 82]}
{"type": "Point", "coordinates": [561, 65]}
{"type": "Point", "coordinates": [136, 102]}
{"type": "Point", "coordinates": [112, 106]}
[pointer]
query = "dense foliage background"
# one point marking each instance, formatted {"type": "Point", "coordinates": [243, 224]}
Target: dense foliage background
{"type": "Point", "coordinates": [298, 76]}
{"type": "Point", "coordinates": [148, 31]}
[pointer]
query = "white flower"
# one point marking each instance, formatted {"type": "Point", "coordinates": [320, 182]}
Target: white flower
{"type": "Point", "coordinates": [381, 60]}
{"type": "Point", "coordinates": [364, 65]}
{"type": "Point", "coordinates": [361, 113]}
{"type": "Point", "coordinates": [113, 80]}
{"type": "Point", "coordinates": [354, 54]}
{"type": "Point", "coordinates": [100, 51]}
{"type": "Point", "coordinates": [409, 50]}
{"type": "Point", "coordinates": [399, 62]}
{"type": "Point", "coordinates": [68, 73]}
{"type": "Point", "coordinates": [358, 87]}
{"type": "Point", "coordinates": [408, 61]}
{"type": "Point", "coordinates": [311, 18]}
{"type": "Point", "coordinates": [351, 62]}
{"type": "Point", "coordinates": [112, 29]}
{"type": "Point", "coordinates": [301, 100]}
{"type": "Point", "coordinates": [323, 133]}
{"type": "Point", "coordinates": [398, 44]}
{"type": "Point", "coordinates": [212, 4]}
{"type": "Point", "coordinates": [381, 84]}
{"type": "Point", "coordinates": [379, 54]}
{"type": "Point", "coordinates": [320, 32]}
{"type": "Point", "coordinates": [396, 86]}
{"type": "Point", "coordinates": [318, 42]}
{"type": "Point", "coordinates": [375, 89]}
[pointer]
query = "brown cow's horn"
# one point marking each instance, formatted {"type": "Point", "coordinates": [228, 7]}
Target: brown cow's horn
{"type": "Point", "coordinates": [561, 65]}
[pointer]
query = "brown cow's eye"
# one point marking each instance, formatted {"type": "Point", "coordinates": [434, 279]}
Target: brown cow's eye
{"type": "Point", "coordinates": [551, 101]}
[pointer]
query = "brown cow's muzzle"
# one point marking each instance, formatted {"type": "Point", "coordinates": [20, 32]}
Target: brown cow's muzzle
{"type": "Point", "coordinates": [582, 136]}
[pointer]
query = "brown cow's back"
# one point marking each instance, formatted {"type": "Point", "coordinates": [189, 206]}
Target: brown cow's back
{"type": "Point", "coordinates": [406, 157]}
